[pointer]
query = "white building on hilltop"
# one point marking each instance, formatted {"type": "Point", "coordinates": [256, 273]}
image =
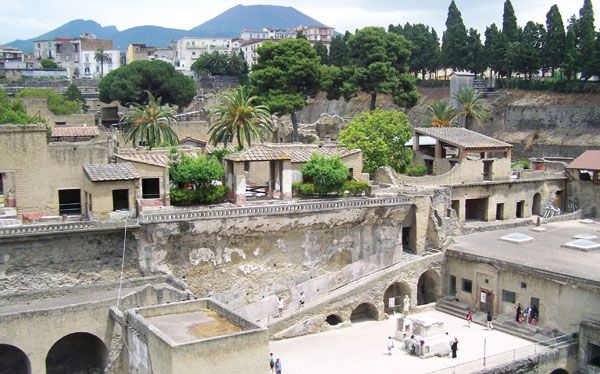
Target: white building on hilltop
{"type": "Point", "coordinates": [188, 49]}
{"type": "Point", "coordinates": [268, 33]}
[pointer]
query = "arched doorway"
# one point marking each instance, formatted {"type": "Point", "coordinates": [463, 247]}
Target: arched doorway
{"type": "Point", "coordinates": [77, 353]}
{"type": "Point", "coordinates": [333, 319]}
{"type": "Point", "coordinates": [395, 291]}
{"type": "Point", "coordinates": [536, 207]}
{"type": "Point", "coordinates": [559, 371]}
{"type": "Point", "coordinates": [428, 288]}
{"type": "Point", "coordinates": [13, 360]}
{"type": "Point", "coordinates": [364, 312]}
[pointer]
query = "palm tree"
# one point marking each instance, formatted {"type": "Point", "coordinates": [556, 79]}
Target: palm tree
{"type": "Point", "coordinates": [236, 115]}
{"type": "Point", "coordinates": [471, 107]}
{"type": "Point", "coordinates": [149, 124]}
{"type": "Point", "coordinates": [442, 114]}
{"type": "Point", "coordinates": [101, 57]}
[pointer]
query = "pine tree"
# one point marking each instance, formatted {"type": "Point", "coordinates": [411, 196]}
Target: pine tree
{"type": "Point", "coordinates": [571, 61]}
{"type": "Point", "coordinates": [554, 44]}
{"type": "Point", "coordinates": [424, 46]}
{"type": "Point", "coordinates": [530, 49]}
{"type": "Point", "coordinates": [436, 56]}
{"type": "Point", "coordinates": [475, 59]}
{"type": "Point", "coordinates": [586, 39]}
{"type": "Point", "coordinates": [494, 49]}
{"type": "Point", "coordinates": [454, 40]}
{"type": "Point", "coordinates": [509, 23]}
{"type": "Point", "coordinates": [321, 52]}
{"type": "Point", "coordinates": [338, 52]}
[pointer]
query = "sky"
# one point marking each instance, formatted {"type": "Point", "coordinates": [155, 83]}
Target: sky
{"type": "Point", "coordinates": [24, 19]}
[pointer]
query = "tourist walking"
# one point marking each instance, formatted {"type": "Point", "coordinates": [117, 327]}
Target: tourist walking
{"type": "Point", "coordinates": [469, 318]}
{"type": "Point", "coordinates": [272, 363]}
{"type": "Point", "coordinates": [412, 345]}
{"type": "Point", "coordinates": [454, 347]}
{"type": "Point", "coordinates": [278, 366]}
{"type": "Point", "coordinates": [390, 345]}
{"type": "Point", "coordinates": [280, 307]}
{"type": "Point", "coordinates": [301, 299]}
{"type": "Point", "coordinates": [518, 313]}
{"type": "Point", "coordinates": [489, 320]}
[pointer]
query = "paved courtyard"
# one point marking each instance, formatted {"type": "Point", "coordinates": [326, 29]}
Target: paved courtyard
{"type": "Point", "coordinates": [361, 348]}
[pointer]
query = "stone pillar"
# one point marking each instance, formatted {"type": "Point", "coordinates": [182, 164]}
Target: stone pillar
{"type": "Point", "coordinates": [462, 214]}
{"type": "Point", "coordinates": [286, 180]}
{"type": "Point", "coordinates": [415, 142]}
{"type": "Point", "coordinates": [239, 183]}
{"type": "Point", "coordinates": [438, 149]}
{"type": "Point", "coordinates": [421, 222]}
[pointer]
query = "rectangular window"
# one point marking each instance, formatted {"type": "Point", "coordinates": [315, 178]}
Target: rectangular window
{"type": "Point", "coordinates": [69, 202]}
{"type": "Point", "coordinates": [467, 285]}
{"type": "Point", "coordinates": [120, 199]}
{"type": "Point", "coordinates": [150, 188]}
{"type": "Point", "coordinates": [509, 297]}
{"type": "Point", "coordinates": [523, 285]}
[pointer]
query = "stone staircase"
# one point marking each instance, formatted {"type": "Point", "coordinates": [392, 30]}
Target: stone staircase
{"type": "Point", "coordinates": [502, 323]}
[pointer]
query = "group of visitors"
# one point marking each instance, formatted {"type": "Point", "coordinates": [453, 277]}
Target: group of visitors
{"type": "Point", "coordinates": [528, 315]}
{"type": "Point", "coordinates": [488, 319]}
{"type": "Point", "coordinates": [280, 304]}
{"type": "Point", "coordinates": [274, 364]}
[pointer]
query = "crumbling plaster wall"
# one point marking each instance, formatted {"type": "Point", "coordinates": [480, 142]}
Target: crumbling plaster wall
{"type": "Point", "coordinates": [244, 260]}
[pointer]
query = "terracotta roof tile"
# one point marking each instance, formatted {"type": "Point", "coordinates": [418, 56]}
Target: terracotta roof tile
{"type": "Point", "coordinates": [71, 131]}
{"type": "Point", "coordinates": [110, 172]}
{"type": "Point", "coordinates": [461, 137]}
{"type": "Point", "coordinates": [588, 160]}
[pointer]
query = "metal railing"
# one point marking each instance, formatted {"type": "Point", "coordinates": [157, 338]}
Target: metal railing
{"type": "Point", "coordinates": [275, 209]}
{"type": "Point", "coordinates": [553, 345]}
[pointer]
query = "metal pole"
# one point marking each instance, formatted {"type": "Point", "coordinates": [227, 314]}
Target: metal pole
{"type": "Point", "coordinates": [484, 347]}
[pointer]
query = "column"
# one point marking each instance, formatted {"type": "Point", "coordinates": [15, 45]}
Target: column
{"type": "Point", "coordinates": [286, 180]}
{"type": "Point", "coordinates": [239, 182]}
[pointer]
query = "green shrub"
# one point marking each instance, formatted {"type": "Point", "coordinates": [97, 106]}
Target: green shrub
{"type": "Point", "coordinates": [549, 84]}
{"type": "Point", "coordinates": [523, 163]}
{"type": "Point", "coordinates": [416, 171]}
{"type": "Point", "coordinates": [433, 83]}
{"type": "Point", "coordinates": [181, 196]}
{"type": "Point", "coordinates": [198, 171]}
{"type": "Point", "coordinates": [48, 64]}
{"type": "Point", "coordinates": [356, 188]}
{"type": "Point", "coordinates": [57, 103]}
{"type": "Point", "coordinates": [327, 174]}
{"type": "Point", "coordinates": [210, 194]}
{"type": "Point", "coordinates": [219, 154]}
{"type": "Point", "coordinates": [307, 189]}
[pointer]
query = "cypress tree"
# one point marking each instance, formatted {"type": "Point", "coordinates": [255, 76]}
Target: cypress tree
{"type": "Point", "coordinates": [586, 38]}
{"type": "Point", "coordinates": [509, 23]}
{"type": "Point", "coordinates": [436, 56]}
{"type": "Point", "coordinates": [338, 52]}
{"type": "Point", "coordinates": [572, 59]}
{"type": "Point", "coordinates": [495, 49]}
{"type": "Point", "coordinates": [475, 59]}
{"type": "Point", "coordinates": [554, 43]}
{"type": "Point", "coordinates": [454, 40]}
{"type": "Point", "coordinates": [530, 59]}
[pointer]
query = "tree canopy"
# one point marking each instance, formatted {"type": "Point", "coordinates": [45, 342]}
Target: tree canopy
{"type": "Point", "coordinates": [381, 135]}
{"type": "Point", "coordinates": [285, 75]}
{"type": "Point", "coordinates": [13, 112]}
{"type": "Point", "coordinates": [554, 43]}
{"type": "Point", "coordinates": [454, 40]}
{"type": "Point", "coordinates": [130, 84]}
{"type": "Point", "coordinates": [221, 64]}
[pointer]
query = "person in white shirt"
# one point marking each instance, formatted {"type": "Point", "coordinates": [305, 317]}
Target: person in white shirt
{"type": "Point", "coordinates": [390, 345]}
{"type": "Point", "coordinates": [280, 307]}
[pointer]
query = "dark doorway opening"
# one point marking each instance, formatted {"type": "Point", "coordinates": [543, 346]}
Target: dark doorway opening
{"type": "Point", "coordinates": [520, 209]}
{"type": "Point", "coordinates": [428, 288]}
{"type": "Point", "coordinates": [593, 355]}
{"type": "Point", "coordinates": [486, 300]}
{"type": "Point", "coordinates": [333, 320]}
{"type": "Point", "coordinates": [452, 285]}
{"type": "Point", "coordinates": [150, 188]}
{"type": "Point", "coordinates": [77, 353]}
{"type": "Point", "coordinates": [1, 184]}
{"type": "Point", "coordinates": [500, 211]}
{"type": "Point", "coordinates": [364, 312]}
{"type": "Point", "coordinates": [475, 209]}
{"type": "Point", "coordinates": [407, 243]}
{"type": "Point", "coordinates": [13, 360]}
{"type": "Point", "coordinates": [487, 170]}
{"type": "Point", "coordinates": [69, 202]}
{"type": "Point", "coordinates": [536, 207]}
{"type": "Point", "coordinates": [456, 207]}
{"type": "Point", "coordinates": [559, 371]}
{"type": "Point", "coordinates": [120, 199]}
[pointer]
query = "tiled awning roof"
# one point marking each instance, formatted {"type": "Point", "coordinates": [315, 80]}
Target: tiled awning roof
{"type": "Point", "coordinates": [68, 131]}
{"type": "Point", "coordinates": [258, 153]}
{"type": "Point", "coordinates": [461, 137]}
{"type": "Point", "coordinates": [110, 172]}
{"type": "Point", "coordinates": [588, 160]}
{"type": "Point", "coordinates": [303, 152]}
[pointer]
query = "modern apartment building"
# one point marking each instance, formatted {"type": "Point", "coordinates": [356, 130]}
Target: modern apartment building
{"type": "Point", "coordinates": [188, 49]}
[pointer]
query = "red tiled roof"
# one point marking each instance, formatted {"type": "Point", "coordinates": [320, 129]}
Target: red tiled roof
{"type": "Point", "coordinates": [588, 160]}
{"type": "Point", "coordinates": [68, 131]}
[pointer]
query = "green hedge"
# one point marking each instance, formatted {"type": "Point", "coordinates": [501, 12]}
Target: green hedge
{"type": "Point", "coordinates": [433, 83]}
{"type": "Point", "coordinates": [416, 171]}
{"type": "Point", "coordinates": [354, 188]}
{"type": "Point", "coordinates": [205, 195]}
{"type": "Point", "coordinates": [549, 84]}
{"type": "Point", "coordinates": [523, 163]}
{"type": "Point", "coordinates": [58, 104]}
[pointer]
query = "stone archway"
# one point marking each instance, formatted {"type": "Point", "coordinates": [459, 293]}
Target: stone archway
{"type": "Point", "coordinates": [13, 360]}
{"type": "Point", "coordinates": [536, 206]}
{"type": "Point", "coordinates": [333, 319]}
{"type": "Point", "coordinates": [77, 352]}
{"type": "Point", "coordinates": [364, 312]}
{"type": "Point", "coordinates": [396, 291]}
{"type": "Point", "coordinates": [559, 371]}
{"type": "Point", "coordinates": [428, 288]}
